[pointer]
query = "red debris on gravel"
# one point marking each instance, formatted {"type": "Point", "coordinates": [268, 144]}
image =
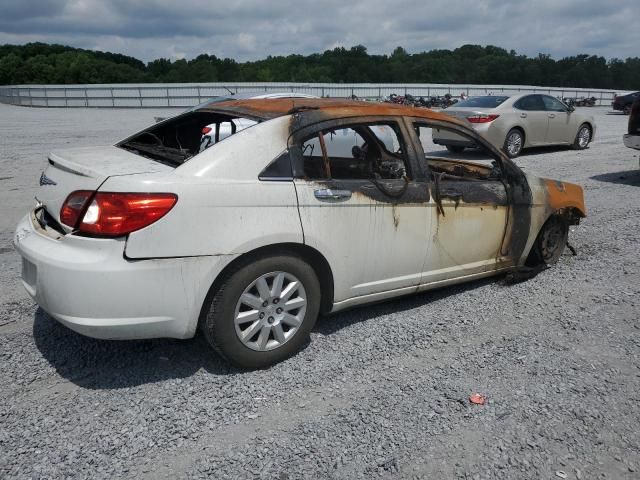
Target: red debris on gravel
{"type": "Point", "coordinates": [478, 399]}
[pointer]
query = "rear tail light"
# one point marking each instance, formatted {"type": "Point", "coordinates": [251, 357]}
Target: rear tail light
{"type": "Point", "coordinates": [74, 206]}
{"type": "Point", "coordinates": [482, 118]}
{"type": "Point", "coordinates": [113, 214]}
{"type": "Point", "coordinates": [206, 130]}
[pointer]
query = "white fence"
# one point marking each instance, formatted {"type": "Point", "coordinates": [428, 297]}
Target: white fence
{"type": "Point", "coordinates": [186, 95]}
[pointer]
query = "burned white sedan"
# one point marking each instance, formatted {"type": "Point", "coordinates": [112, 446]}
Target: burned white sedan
{"type": "Point", "coordinates": [251, 239]}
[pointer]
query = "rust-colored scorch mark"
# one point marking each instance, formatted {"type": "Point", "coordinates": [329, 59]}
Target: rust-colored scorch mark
{"type": "Point", "coordinates": [563, 195]}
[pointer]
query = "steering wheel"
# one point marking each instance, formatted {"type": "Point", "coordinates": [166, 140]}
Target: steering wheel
{"type": "Point", "coordinates": [157, 139]}
{"type": "Point", "coordinates": [359, 153]}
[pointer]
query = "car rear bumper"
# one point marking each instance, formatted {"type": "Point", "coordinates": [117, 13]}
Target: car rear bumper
{"type": "Point", "coordinates": [88, 285]}
{"type": "Point", "coordinates": [631, 141]}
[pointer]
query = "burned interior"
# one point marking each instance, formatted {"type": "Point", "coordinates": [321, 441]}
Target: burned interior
{"type": "Point", "coordinates": [176, 140]}
{"type": "Point", "coordinates": [478, 164]}
{"type": "Point", "coordinates": [357, 151]}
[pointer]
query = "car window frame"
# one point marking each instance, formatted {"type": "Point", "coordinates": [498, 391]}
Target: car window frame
{"type": "Point", "coordinates": [515, 104]}
{"type": "Point", "coordinates": [512, 174]}
{"type": "Point", "coordinates": [464, 102]}
{"type": "Point", "coordinates": [494, 157]}
{"type": "Point", "coordinates": [298, 137]}
{"type": "Point", "coordinates": [563, 109]}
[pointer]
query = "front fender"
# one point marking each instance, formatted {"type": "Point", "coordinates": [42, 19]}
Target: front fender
{"type": "Point", "coordinates": [564, 195]}
{"type": "Point", "coordinates": [550, 197]}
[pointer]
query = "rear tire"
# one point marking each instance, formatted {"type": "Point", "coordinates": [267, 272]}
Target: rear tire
{"type": "Point", "coordinates": [513, 143]}
{"type": "Point", "coordinates": [550, 242]}
{"type": "Point", "coordinates": [455, 148]}
{"type": "Point", "coordinates": [583, 137]}
{"type": "Point", "coordinates": [252, 322]}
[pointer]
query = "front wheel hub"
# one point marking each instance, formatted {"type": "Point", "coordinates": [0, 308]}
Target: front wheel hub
{"type": "Point", "coordinates": [584, 135]}
{"type": "Point", "coordinates": [514, 143]}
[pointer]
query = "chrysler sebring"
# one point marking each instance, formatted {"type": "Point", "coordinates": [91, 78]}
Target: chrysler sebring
{"type": "Point", "coordinates": [252, 238]}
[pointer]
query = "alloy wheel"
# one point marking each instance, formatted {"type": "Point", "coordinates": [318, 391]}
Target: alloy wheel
{"type": "Point", "coordinates": [514, 144]}
{"type": "Point", "coordinates": [584, 135]}
{"type": "Point", "coordinates": [270, 311]}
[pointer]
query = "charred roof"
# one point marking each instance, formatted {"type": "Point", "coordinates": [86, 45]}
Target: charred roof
{"type": "Point", "coordinates": [265, 109]}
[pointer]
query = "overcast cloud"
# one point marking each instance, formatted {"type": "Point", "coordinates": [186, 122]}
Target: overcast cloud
{"type": "Point", "coordinates": [252, 29]}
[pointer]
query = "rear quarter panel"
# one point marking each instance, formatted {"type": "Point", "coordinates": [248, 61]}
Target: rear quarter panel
{"type": "Point", "coordinates": [223, 208]}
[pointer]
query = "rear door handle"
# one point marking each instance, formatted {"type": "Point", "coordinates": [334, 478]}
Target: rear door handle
{"type": "Point", "coordinates": [330, 194]}
{"type": "Point", "coordinates": [552, 115]}
{"type": "Point", "coordinates": [523, 115]}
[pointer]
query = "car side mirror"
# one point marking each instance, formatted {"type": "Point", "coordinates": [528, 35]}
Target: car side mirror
{"type": "Point", "coordinates": [570, 108]}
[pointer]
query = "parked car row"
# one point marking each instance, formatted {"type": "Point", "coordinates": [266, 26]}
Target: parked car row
{"type": "Point", "coordinates": [579, 102]}
{"type": "Point", "coordinates": [440, 101]}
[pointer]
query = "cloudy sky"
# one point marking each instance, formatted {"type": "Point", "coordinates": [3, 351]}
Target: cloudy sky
{"type": "Point", "coordinates": [253, 29]}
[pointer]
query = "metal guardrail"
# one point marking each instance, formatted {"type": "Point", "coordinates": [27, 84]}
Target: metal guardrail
{"type": "Point", "coordinates": [187, 95]}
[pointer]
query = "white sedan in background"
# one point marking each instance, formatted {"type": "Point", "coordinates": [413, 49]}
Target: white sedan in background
{"type": "Point", "coordinates": [513, 123]}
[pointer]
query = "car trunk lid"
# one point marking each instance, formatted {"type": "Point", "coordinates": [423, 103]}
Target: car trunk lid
{"type": "Point", "coordinates": [462, 113]}
{"type": "Point", "coordinates": [86, 169]}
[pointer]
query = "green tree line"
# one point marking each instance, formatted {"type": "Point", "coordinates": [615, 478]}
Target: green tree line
{"type": "Point", "coordinates": [40, 63]}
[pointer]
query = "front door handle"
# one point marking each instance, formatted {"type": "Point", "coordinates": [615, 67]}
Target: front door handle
{"type": "Point", "coordinates": [523, 115]}
{"type": "Point", "coordinates": [552, 115]}
{"type": "Point", "coordinates": [330, 194]}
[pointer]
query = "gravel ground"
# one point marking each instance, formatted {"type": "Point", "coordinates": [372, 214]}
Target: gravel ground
{"type": "Point", "coordinates": [381, 391]}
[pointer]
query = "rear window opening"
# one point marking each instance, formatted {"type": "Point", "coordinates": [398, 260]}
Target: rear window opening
{"type": "Point", "coordinates": [488, 101]}
{"type": "Point", "coordinates": [176, 140]}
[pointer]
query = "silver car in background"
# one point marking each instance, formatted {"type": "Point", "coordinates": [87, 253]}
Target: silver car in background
{"type": "Point", "coordinates": [519, 121]}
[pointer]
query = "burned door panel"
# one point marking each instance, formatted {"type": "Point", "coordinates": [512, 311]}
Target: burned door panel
{"type": "Point", "coordinates": [471, 204]}
{"type": "Point", "coordinates": [365, 213]}
{"type": "Point", "coordinates": [467, 237]}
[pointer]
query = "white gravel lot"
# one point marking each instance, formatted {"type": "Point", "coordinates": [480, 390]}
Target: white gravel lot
{"type": "Point", "coordinates": [381, 391]}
